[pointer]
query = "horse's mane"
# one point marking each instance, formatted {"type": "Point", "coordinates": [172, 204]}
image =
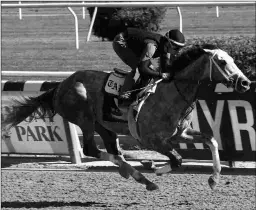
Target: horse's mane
{"type": "Point", "coordinates": [188, 55]}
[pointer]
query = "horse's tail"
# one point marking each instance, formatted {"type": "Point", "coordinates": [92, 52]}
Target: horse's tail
{"type": "Point", "coordinates": [20, 110]}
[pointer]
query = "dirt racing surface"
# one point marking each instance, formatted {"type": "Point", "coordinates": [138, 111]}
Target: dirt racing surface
{"type": "Point", "coordinates": [107, 190]}
{"type": "Point", "coordinates": [42, 183]}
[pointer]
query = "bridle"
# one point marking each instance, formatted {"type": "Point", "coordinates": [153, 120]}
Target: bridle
{"type": "Point", "coordinates": [229, 78]}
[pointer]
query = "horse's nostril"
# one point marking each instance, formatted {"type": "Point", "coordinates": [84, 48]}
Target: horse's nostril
{"type": "Point", "coordinates": [245, 83]}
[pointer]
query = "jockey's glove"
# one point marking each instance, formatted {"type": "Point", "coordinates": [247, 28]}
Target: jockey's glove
{"type": "Point", "coordinates": [165, 76]}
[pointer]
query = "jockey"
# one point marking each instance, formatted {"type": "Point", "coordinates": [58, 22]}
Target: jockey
{"type": "Point", "coordinates": [137, 48]}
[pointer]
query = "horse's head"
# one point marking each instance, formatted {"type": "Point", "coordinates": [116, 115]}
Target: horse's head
{"type": "Point", "coordinates": [224, 70]}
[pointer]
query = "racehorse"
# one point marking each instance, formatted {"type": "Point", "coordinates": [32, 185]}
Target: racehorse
{"type": "Point", "coordinates": [164, 118]}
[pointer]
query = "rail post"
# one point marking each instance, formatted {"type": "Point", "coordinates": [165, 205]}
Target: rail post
{"type": "Point", "coordinates": [76, 26]}
{"type": "Point", "coordinates": [217, 11]}
{"type": "Point", "coordinates": [92, 23]}
{"type": "Point", "coordinates": [20, 12]}
{"type": "Point", "coordinates": [179, 12]}
{"type": "Point", "coordinates": [74, 146]}
{"type": "Point", "coordinates": [83, 12]}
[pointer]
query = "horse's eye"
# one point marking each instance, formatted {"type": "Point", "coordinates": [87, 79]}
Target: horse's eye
{"type": "Point", "coordinates": [222, 62]}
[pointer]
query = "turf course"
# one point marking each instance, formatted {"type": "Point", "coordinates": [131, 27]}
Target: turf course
{"type": "Point", "coordinates": [44, 40]}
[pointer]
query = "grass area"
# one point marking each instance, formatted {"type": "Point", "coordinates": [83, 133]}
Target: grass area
{"type": "Point", "coordinates": [47, 43]}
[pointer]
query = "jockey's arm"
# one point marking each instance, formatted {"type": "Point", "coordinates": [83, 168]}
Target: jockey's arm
{"type": "Point", "coordinates": [145, 61]}
{"type": "Point", "coordinates": [167, 57]}
{"type": "Point", "coordinates": [165, 61]}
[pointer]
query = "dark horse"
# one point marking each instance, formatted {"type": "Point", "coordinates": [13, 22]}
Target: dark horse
{"type": "Point", "coordinates": [164, 118]}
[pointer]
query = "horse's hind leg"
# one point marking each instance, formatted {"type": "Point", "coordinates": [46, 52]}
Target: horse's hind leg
{"type": "Point", "coordinates": [112, 146]}
{"type": "Point", "coordinates": [87, 125]}
{"type": "Point", "coordinates": [114, 155]}
{"type": "Point", "coordinates": [192, 136]}
{"type": "Point", "coordinates": [109, 138]}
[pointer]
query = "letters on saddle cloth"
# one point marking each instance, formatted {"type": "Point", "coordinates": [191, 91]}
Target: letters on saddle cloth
{"type": "Point", "coordinates": [114, 83]}
{"type": "Point", "coordinates": [135, 107]}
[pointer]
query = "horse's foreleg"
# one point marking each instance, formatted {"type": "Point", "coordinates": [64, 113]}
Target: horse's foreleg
{"type": "Point", "coordinates": [125, 169]}
{"type": "Point", "coordinates": [192, 136]}
{"type": "Point", "coordinates": [121, 162]}
{"type": "Point", "coordinates": [175, 162]}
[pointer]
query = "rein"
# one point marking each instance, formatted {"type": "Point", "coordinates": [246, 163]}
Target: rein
{"type": "Point", "coordinates": [142, 88]}
{"type": "Point", "coordinates": [191, 105]}
{"type": "Point", "coordinates": [229, 78]}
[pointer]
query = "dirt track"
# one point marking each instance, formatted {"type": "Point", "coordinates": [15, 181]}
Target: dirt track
{"type": "Point", "coordinates": [107, 190]}
{"type": "Point", "coordinates": [103, 188]}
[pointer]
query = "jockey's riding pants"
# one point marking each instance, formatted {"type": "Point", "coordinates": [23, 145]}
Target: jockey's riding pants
{"type": "Point", "coordinates": [129, 58]}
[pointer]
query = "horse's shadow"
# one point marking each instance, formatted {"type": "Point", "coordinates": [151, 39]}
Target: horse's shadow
{"type": "Point", "coordinates": [45, 204]}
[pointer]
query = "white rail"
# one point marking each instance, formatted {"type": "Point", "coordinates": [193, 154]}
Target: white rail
{"type": "Point", "coordinates": [130, 4]}
{"type": "Point", "coordinates": [37, 73]}
{"type": "Point", "coordinates": [71, 1]}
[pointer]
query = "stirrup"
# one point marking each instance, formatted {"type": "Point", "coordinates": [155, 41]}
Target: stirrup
{"type": "Point", "coordinates": [116, 112]}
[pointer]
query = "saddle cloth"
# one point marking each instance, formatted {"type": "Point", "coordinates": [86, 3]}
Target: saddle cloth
{"type": "Point", "coordinates": [115, 82]}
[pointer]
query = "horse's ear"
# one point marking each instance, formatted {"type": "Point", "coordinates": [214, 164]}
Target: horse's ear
{"type": "Point", "coordinates": [207, 50]}
{"type": "Point", "coordinates": [209, 47]}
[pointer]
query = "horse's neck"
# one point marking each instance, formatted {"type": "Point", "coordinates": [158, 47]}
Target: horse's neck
{"type": "Point", "coordinates": [183, 88]}
{"type": "Point", "coordinates": [187, 81]}
{"type": "Point", "coordinates": [195, 71]}
{"type": "Point", "coordinates": [173, 99]}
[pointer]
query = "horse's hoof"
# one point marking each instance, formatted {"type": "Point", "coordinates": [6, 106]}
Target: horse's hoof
{"type": "Point", "coordinates": [163, 170]}
{"type": "Point", "coordinates": [175, 159]}
{"type": "Point", "coordinates": [148, 164]}
{"type": "Point", "coordinates": [123, 172]}
{"type": "Point", "coordinates": [213, 181]}
{"type": "Point", "coordinates": [152, 186]}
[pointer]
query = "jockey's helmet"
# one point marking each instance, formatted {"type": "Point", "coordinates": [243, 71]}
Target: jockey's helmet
{"type": "Point", "coordinates": [176, 38]}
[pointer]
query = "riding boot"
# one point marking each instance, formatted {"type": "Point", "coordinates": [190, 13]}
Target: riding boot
{"type": "Point", "coordinates": [115, 110]}
{"type": "Point", "coordinates": [110, 108]}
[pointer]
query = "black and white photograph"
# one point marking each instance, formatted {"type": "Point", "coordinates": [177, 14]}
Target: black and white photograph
{"type": "Point", "coordinates": [124, 104]}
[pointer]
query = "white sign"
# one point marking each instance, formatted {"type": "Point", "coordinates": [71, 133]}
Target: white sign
{"type": "Point", "coordinates": [41, 136]}
{"type": "Point", "coordinates": [215, 120]}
